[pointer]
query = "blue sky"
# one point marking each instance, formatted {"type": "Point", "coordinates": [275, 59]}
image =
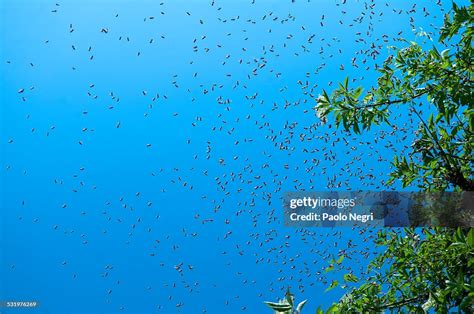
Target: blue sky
{"type": "Point", "coordinates": [144, 162]}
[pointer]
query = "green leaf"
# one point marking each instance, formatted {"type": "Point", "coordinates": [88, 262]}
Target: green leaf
{"type": "Point", "coordinates": [279, 307]}
{"type": "Point", "coordinates": [333, 285]}
{"type": "Point", "coordinates": [430, 303]}
{"type": "Point", "coordinates": [350, 278]}
{"type": "Point", "coordinates": [459, 236]}
{"type": "Point", "coordinates": [329, 268]}
{"type": "Point", "coordinates": [319, 310]}
{"type": "Point", "coordinates": [289, 297]}
{"type": "Point", "coordinates": [356, 128]}
{"type": "Point", "coordinates": [333, 309]}
{"type": "Point", "coordinates": [357, 92]}
{"type": "Point", "coordinates": [300, 306]}
{"type": "Point", "coordinates": [470, 238]}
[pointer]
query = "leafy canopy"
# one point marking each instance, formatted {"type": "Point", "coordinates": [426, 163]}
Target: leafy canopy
{"type": "Point", "coordinates": [433, 87]}
{"type": "Point", "coordinates": [432, 269]}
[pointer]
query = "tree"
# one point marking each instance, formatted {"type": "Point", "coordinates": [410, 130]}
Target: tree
{"type": "Point", "coordinates": [441, 157]}
{"type": "Point", "coordinates": [431, 269]}
{"type": "Point", "coordinates": [434, 269]}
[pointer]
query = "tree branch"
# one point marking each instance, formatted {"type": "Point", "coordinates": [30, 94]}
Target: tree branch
{"type": "Point", "coordinates": [396, 101]}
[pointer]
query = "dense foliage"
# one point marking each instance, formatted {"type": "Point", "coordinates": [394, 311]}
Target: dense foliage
{"type": "Point", "coordinates": [425, 269]}
{"type": "Point", "coordinates": [431, 271]}
{"type": "Point", "coordinates": [437, 89]}
{"type": "Point", "coordinates": [416, 273]}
